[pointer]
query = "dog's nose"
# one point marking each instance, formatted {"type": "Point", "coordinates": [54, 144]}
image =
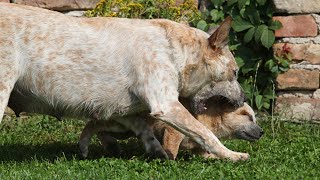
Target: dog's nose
{"type": "Point", "coordinates": [261, 133]}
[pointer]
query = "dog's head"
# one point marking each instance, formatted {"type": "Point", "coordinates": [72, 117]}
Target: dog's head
{"type": "Point", "coordinates": [225, 121]}
{"type": "Point", "coordinates": [218, 58]}
{"type": "Point", "coordinates": [202, 81]}
{"type": "Point", "coordinates": [231, 91]}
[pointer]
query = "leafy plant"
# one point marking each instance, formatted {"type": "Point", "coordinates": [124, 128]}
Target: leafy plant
{"type": "Point", "coordinates": [250, 42]}
{"type": "Point", "coordinates": [147, 9]}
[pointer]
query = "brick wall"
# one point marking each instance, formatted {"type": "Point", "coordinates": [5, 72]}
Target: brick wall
{"type": "Point", "coordinates": [298, 89]}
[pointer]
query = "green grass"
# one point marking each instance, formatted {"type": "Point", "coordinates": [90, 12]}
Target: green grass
{"type": "Point", "coordinates": [41, 147]}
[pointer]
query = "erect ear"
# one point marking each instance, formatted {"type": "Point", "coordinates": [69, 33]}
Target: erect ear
{"type": "Point", "coordinates": [219, 38]}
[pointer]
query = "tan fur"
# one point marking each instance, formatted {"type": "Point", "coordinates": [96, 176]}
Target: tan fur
{"type": "Point", "coordinates": [112, 67]}
{"type": "Point", "coordinates": [220, 118]}
{"type": "Point", "coordinates": [223, 120]}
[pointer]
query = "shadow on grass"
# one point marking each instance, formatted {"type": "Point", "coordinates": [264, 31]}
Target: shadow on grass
{"type": "Point", "coordinates": [50, 152]}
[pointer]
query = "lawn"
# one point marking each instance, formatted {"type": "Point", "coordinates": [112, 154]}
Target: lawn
{"type": "Point", "coordinates": [40, 147]}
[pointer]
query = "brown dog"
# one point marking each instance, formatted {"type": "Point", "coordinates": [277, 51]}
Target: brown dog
{"type": "Point", "coordinates": [223, 120]}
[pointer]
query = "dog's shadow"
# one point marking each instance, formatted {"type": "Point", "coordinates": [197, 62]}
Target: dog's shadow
{"type": "Point", "coordinates": [53, 151]}
{"type": "Point", "coordinates": [48, 152]}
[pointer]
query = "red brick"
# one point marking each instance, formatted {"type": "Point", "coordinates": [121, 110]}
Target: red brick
{"type": "Point", "coordinates": [6, 1]}
{"type": "Point", "coordinates": [298, 79]}
{"type": "Point", "coordinates": [297, 26]}
{"type": "Point", "coordinates": [307, 52]}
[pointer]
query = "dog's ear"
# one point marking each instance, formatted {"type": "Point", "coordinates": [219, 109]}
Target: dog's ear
{"type": "Point", "coordinates": [212, 29]}
{"type": "Point", "coordinates": [219, 38]}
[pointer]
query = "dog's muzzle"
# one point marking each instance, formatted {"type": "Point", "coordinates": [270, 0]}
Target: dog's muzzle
{"type": "Point", "coordinates": [249, 133]}
{"type": "Point", "coordinates": [230, 90]}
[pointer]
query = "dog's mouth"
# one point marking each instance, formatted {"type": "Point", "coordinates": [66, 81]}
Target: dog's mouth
{"type": "Point", "coordinates": [231, 92]}
{"type": "Point", "coordinates": [252, 133]}
{"type": "Point", "coordinates": [249, 137]}
{"type": "Point", "coordinates": [199, 107]}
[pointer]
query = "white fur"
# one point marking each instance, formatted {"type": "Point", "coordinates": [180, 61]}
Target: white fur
{"type": "Point", "coordinates": [108, 66]}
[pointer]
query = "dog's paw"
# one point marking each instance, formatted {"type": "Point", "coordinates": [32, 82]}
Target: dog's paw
{"type": "Point", "coordinates": [237, 156]}
{"type": "Point", "coordinates": [157, 154]}
{"type": "Point", "coordinates": [83, 150]}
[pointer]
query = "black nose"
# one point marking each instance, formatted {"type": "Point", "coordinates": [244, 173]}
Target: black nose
{"type": "Point", "coordinates": [261, 133]}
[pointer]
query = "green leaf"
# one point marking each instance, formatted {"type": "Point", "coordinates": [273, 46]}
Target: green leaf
{"type": "Point", "coordinates": [241, 3]}
{"type": "Point", "coordinates": [275, 25]}
{"type": "Point", "coordinates": [217, 3]}
{"type": "Point", "coordinates": [253, 15]}
{"type": "Point", "coordinates": [240, 25]}
{"type": "Point", "coordinates": [268, 96]}
{"type": "Point", "coordinates": [269, 10]}
{"type": "Point", "coordinates": [234, 47]}
{"type": "Point", "coordinates": [259, 32]}
{"type": "Point", "coordinates": [269, 64]}
{"type": "Point", "coordinates": [246, 70]}
{"type": "Point", "coordinates": [240, 61]}
{"type": "Point", "coordinates": [231, 2]}
{"type": "Point", "coordinates": [216, 15]}
{"type": "Point", "coordinates": [274, 69]}
{"type": "Point", "coordinates": [258, 101]}
{"type": "Point", "coordinates": [267, 38]}
{"type": "Point", "coordinates": [249, 35]}
{"type": "Point", "coordinates": [261, 2]}
{"type": "Point", "coordinates": [246, 87]}
{"type": "Point", "coordinates": [202, 25]}
{"type": "Point", "coordinates": [284, 63]}
{"type": "Point", "coordinates": [282, 69]}
{"type": "Point", "coordinates": [266, 105]}
{"type": "Point", "coordinates": [242, 13]}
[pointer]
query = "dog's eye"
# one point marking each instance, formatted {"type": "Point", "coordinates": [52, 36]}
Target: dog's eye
{"type": "Point", "coordinates": [246, 113]}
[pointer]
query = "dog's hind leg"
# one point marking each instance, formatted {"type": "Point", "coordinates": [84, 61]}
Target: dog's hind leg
{"type": "Point", "coordinates": [144, 132]}
{"type": "Point", "coordinates": [109, 143]}
{"type": "Point", "coordinates": [97, 127]}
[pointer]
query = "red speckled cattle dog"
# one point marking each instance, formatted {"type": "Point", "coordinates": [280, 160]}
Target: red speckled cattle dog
{"type": "Point", "coordinates": [113, 68]}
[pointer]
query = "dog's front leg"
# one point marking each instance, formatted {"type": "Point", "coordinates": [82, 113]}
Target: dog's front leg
{"type": "Point", "coordinates": [205, 154]}
{"type": "Point", "coordinates": [179, 118]}
{"type": "Point", "coordinates": [9, 72]}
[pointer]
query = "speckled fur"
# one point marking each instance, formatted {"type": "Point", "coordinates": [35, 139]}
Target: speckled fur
{"type": "Point", "coordinates": [112, 67]}
{"type": "Point", "coordinates": [221, 118]}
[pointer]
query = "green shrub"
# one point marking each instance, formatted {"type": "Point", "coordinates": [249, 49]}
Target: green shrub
{"type": "Point", "coordinates": [250, 42]}
{"type": "Point", "coordinates": [251, 37]}
{"type": "Point", "coordinates": [147, 9]}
